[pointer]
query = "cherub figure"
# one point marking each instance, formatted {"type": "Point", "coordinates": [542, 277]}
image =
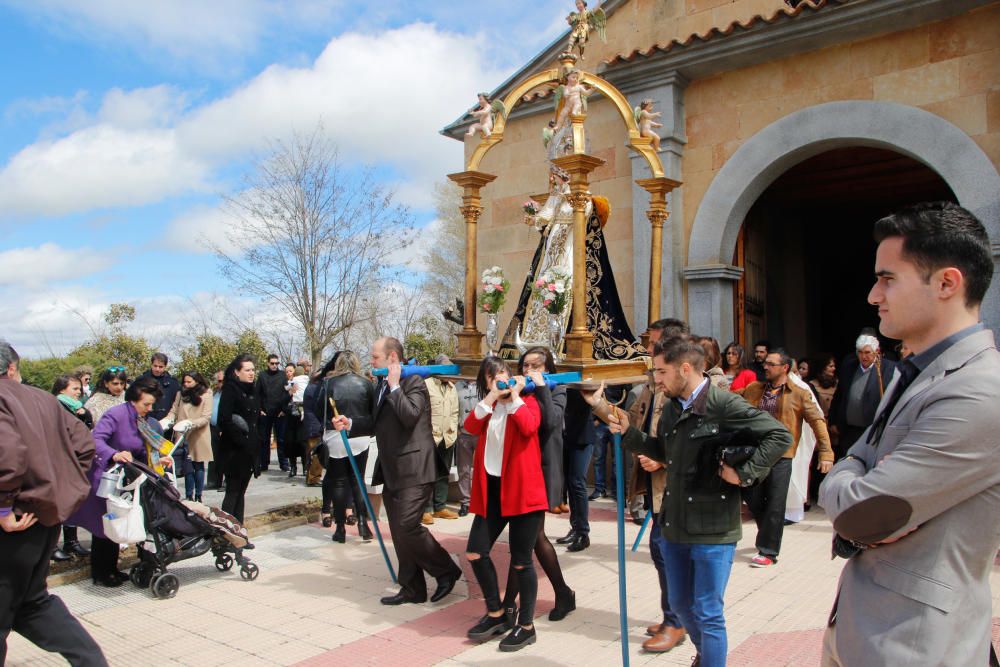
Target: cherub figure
{"type": "Point", "coordinates": [644, 116]}
{"type": "Point", "coordinates": [571, 99]}
{"type": "Point", "coordinates": [584, 20]}
{"type": "Point", "coordinates": [485, 114]}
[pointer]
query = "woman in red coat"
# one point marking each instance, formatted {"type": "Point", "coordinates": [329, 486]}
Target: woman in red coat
{"type": "Point", "coordinates": [507, 489]}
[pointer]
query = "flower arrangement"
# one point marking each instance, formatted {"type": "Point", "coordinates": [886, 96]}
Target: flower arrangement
{"type": "Point", "coordinates": [530, 207]}
{"type": "Point", "coordinates": [493, 290]}
{"type": "Point", "coordinates": [553, 288]}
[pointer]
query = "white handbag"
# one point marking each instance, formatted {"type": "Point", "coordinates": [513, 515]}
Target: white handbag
{"type": "Point", "coordinates": [125, 522]}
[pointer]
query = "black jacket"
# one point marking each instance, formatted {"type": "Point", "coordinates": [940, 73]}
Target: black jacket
{"type": "Point", "coordinates": [406, 447]}
{"type": "Point", "coordinates": [169, 386]}
{"type": "Point", "coordinates": [271, 387]}
{"type": "Point", "coordinates": [870, 398]}
{"type": "Point", "coordinates": [578, 430]}
{"type": "Point", "coordinates": [355, 398]}
{"type": "Point", "coordinates": [550, 435]}
{"type": "Point", "coordinates": [312, 425]}
{"type": "Point", "coordinates": [239, 410]}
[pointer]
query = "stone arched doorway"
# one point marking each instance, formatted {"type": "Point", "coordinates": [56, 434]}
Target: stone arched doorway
{"type": "Point", "coordinates": [912, 132]}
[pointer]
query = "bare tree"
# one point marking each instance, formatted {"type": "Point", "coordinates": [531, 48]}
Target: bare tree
{"type": "Point", "coordinates": [444, 260]}
{"type": "Point", "coordinates": [312, 236]}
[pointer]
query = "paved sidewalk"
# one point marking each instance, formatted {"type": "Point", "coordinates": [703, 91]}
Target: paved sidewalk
{"type": "Point", "coordinates": [316, 603]}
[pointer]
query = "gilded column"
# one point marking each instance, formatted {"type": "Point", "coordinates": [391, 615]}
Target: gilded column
{"type": "Point", "coordinates": [657, 214]}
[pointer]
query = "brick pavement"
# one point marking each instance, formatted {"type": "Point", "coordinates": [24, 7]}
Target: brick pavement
{"type": "Point", "coordinates": [316, 603]}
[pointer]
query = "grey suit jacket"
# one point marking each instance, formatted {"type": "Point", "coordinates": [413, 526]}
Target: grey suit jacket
{"type": "Point", "coordinates": [925, 599]}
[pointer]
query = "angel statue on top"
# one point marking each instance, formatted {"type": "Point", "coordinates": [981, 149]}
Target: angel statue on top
{"type": "Point", "coordinates": [584, 20]}
{"type": "Point", "coordinates": [645, 119]}
{"type": "Point", "coordinates": [485, 114]}
{"type": "Point", "coordinates": [571, 99]}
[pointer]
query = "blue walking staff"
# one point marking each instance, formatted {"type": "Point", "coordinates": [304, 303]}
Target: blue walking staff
{"type": "Point", "coordinates": [422, 371]}
{"type": "Point", "coordinates": [620, 492]}
{"type": "Point", "coordinates": [364, 494]}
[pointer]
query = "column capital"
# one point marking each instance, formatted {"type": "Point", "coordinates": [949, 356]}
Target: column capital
{"type": "Point", "coordinates": [472, 179]}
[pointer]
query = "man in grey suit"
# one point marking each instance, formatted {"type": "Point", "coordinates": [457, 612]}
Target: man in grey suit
{"type": "Point", "coordinates": [916, 501]}
{"type": "Point", "coordinates": [406, 466]}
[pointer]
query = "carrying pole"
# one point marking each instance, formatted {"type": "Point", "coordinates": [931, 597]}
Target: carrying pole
{"type": "Point", "coordinates": [620, 491]}
{"type": "Point", "coordinates": [642, 531]}
{"type": "Point", "coordinates": [364, 494]}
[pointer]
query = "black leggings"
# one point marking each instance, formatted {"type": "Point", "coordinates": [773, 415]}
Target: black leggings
{"type": "Point", "coordinates": [523, 532]}
{"type": "Point", "coordinates": [103, 558]}
{"type": "Point", "coordinates": [238, 474]}
{"type": "Point", "coordinates": [338, 479]}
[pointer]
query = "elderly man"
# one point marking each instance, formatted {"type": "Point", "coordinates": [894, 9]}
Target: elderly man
{"type": "Point", "coordinates": [916, 501]}
{"type": "Point", "coordinates": [860, 384]}
{"type": "Point", "coordinates": [444, 425]}
{"type": "Point", "coordinates": [45, 453]}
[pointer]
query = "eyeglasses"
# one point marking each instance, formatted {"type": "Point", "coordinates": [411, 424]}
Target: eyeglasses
{"type": "Point", "coordinates": [116, 369]}
{"type": "Point", "coordinates": [272, 363]}
{"type": "Point", "coordinates": [772, 364]}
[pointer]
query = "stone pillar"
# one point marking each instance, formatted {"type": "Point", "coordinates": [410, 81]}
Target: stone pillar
{"type": "Point", "coordinates": [710, 291]}
{"type": "Point", "coordinates": [469, 338]}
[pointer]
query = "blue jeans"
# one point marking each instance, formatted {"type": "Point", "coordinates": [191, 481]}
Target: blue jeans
{"type": "Point", "coordinates": [657, 544]}
{"type": "Point", "coordinates": [604, 474]}
{"type": "Point", "coordinates": [577, 463]}
{"type": "Point", "coordinates": [697, 575]}
{"type": "Point", "coordinates": [194, 481]}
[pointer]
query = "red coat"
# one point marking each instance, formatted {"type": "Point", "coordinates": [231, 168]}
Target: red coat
{"type": "Point", "coordinates": [522, 487]}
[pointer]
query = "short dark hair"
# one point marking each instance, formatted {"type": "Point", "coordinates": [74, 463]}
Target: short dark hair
{"type": "Point", "coordinates": [670, 327]}
{"type": "Point", "coordinates": [680, 349]}
{"type": "Point", "coordinates": [765, 342]}
{"type": "Point", "coordinates": [144, 385]}
{"type": "Point", "coordinates": [390, 344]}
{"type": "Point", "coordinates": [786, 359]}
{"type": "Point", "coordinates": [489, 367]}
{"type": "Point", "coordinates": [941, 234]}
{"type": "Point", "coordinates": [273, 356]}
{"type": "Point", "coordinates": [63, 381]}
{"type": "Point", "coordinates": [159, 356]}
{"type": "Point", "coordinates": [550, 362]}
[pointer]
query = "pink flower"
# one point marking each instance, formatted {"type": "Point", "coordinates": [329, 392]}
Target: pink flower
{"type": "Point", "coordinates": [552, 287]}
{"type": "Point", "coordinates": [486, 306]}
{"type": "Point", "coordinates": [546, 302]}
{"type": "Point", "coordinates": [499, 288]}
{"type": "Point", "coordinates": [539, 282]}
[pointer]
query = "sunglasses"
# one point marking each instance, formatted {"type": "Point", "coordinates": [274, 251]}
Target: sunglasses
{"type": "Point", "coordinates": [116, 369]}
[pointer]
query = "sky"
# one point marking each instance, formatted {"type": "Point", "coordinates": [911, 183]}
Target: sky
{"type": "Point", "coordinates": [122, 124]}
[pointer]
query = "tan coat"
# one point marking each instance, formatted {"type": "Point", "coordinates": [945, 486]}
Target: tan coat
{"type": "Point", "coordinates": [637, 416]}
{"type": "Point", "coordinates": [795, 405]}
{"type": "Point", "coordinates": [199, 437]}
{"type": "Point", "coordinates": [444, 410]}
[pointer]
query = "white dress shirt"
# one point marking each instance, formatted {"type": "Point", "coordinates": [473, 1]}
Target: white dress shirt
{"type": "Point", "coordinates": [496, 431]}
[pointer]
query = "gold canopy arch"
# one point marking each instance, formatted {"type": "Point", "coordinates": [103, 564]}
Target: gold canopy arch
{"type": "Point", "coordinates": [638, 143]}
{"type": "Point", "coordinates": [579, 342]}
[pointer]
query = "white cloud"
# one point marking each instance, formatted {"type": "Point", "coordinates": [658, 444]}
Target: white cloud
{"type": "Point", "coordinates": [412, 256]}
{"type": "Point", "coordinates": [36, 267]}
{"type": "Point", "coordinates": [382, 98]}
{"type": "Point", "coordinates": [199, 229]}
{"type": "Point", "coordinates": [209, 35]}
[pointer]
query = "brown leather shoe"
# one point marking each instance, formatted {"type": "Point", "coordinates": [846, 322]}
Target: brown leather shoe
{"type": "Point", "coordinates": [655, 629]}
{"type": "Point", "coordinates": [427, 519]}
{"type": "Point", "coordinates": [666, 640]}
{"type": "Point", "coordinates": [564, 508]}
{"type": "Point", "coordinates": [445, 514]}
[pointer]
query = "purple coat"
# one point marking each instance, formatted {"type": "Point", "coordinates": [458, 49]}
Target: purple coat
{"type": "Point", "coordinates": [115, 432]}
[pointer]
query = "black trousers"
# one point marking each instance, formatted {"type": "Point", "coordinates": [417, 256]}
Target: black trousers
{"type": "Point", "coordinates": [214, 475]}
{"type": "Point", "coordinates": [103, 558]}
{"type": "Point", "coordinates": [523, 534]}
{"type": "Point", "coordinates": [416, 549]}
{"type": "Point", "coordinates": [238, 472]}
{"type": "Point", "coordinates": [766, 501]}
{"type": "Point", "coordinates": [26, 605]}
{"type": "Point", "coordinates": [343, 487]}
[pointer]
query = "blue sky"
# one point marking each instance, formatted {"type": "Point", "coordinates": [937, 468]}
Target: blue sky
{"type": "Point", "coordinates": [121, 123]}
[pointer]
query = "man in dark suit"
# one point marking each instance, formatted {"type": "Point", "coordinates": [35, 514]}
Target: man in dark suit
{"type": "Point", "coordinates": [860, 384]}
{"type": "Point", "coordinates": [578, 448]}
{"type": "Point", "coordinates": [406, 466]}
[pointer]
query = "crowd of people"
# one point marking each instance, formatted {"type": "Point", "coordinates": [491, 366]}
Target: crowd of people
{"type": "Point", "coordinates": [906, 448]}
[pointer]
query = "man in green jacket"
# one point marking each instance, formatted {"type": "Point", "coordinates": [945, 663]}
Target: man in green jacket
{"type": "Point", "coordinates": [699, 518]}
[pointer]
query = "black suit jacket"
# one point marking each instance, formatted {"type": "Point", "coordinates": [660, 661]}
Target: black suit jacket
{"type": "Point", "coordinates": [404, 436]}
{"type": "Point", "coordinates": [578, 430]}
{"type": "Point", "coordinates": [870, 398]}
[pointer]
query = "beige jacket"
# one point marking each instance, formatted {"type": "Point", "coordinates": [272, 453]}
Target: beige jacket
{"type": "Point", "coordinates": [637, 415]}
{"type": "Point", "coordinates": [199, 437]}
{"type": "Point", "coordinates": [444, 410]}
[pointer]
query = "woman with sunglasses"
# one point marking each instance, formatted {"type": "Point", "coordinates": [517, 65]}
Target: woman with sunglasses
{"type": "Point", "coordinates": [109, 392]}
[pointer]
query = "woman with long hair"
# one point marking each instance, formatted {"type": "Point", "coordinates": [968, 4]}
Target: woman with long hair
{"type": "Point", "coordinates": [713, 362]}
{"type": "Point", "coordinates": [508, 488]}
{"type": "Point", "coordinates": [239, 409]}
{"type": "Point", "coordinates": [68, 390]}
{"type": "Point", "coordinates": [191, 415]}
{"type": "Point", "coordinates": [108, 392]}
{"type": "Point", "coordinates": [120, 436]}
{"type": "Point", "coordinates": [552, 403]}
{"type": "Point", "coordinates": [354, 397]}
{"type": "Point", "coordinates": [734, 364]}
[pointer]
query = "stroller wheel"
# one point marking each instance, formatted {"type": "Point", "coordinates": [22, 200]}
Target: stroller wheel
{"type": "Point", "coordinates": [140, 575]}
{"type": "Point", "coordinates": [249, 571]}
{"type": "Point", "coordinates": [165, 586]}
{"type": "Point", "coordinates": [223, 562]}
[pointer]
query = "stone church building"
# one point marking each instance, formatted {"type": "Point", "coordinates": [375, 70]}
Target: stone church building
{"type": "Point", "coordinates": [792, 127]}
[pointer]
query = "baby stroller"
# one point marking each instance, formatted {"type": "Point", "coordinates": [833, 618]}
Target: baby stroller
{"type": "Point", "coordinates": [176, 531]}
